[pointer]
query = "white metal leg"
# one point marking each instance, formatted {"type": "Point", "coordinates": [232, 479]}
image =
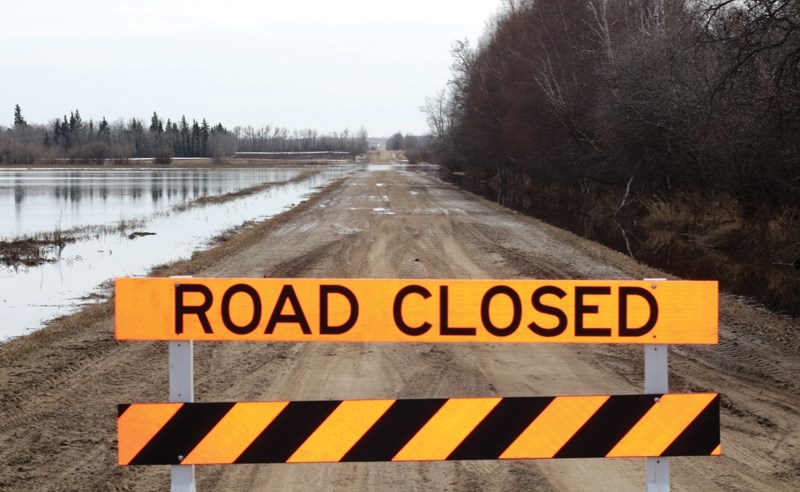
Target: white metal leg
{"type": "Point", "coordinates": [656, 380]}
{"type": "Point", "coordinates": [181, 389]}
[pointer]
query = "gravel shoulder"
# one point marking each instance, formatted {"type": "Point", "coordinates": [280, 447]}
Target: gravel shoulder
{"type": "Point", "coordinates": [59, 387]}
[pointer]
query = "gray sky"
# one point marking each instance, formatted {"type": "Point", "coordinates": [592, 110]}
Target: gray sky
{"type": "Point", "coordinates": [306, 64]}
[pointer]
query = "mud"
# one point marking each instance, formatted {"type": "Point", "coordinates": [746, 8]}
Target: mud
{"type": "Point", "coordinates": [59, 387]}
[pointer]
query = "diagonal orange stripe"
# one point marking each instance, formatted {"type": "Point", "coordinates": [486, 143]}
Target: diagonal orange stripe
{"type": "Point", "coordinates": [237, 430]}
{"type": "Point", "coordinates": [446, 429]}
{"type": "Point", "coordinates": [717, 451]}
{"type": "Point", "coordinates": [661, 425]}
{"type": "Point", "coordinates": [548, 433]}
{"type": "Point", "coordinates": [340, 431]}
{"type": "Point", "coordinates": [139, 424]}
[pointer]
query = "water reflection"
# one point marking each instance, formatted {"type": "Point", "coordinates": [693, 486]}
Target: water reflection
{"type": "Point", "coordinates": [30, 296]}
{"type": "Point", "coordinates": [45, 199]}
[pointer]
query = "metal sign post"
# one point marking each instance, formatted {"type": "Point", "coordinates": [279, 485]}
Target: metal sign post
{"type": "Point", "coordinates": [181, 389]}
{"type": "Point", "coordinates": [656, 380]}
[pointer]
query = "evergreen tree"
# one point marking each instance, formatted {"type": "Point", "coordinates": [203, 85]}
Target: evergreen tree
{"type": "Point", "coordinates": [66, 136]}
{"type": "Point", "coordinates": [136, 131]}
{"type": "Point", "coordinates": [195, 138]}
{"type": "Point", "coordinates": [156, 125]}
{"type": "Point", "coordinates": [75, 128]}
{"type": "Point", "coordinates": [184, 131]}
{"type": "Point", "coordinates": [19, 121]}
{"type": "Point", "coordinates": [103, 131]}
{"type": "Point", "coordinates": [57, 132]}
{"type": "Point", "coordinates": [204, 133]}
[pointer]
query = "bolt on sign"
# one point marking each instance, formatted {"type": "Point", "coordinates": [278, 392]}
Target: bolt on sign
{"type": "Point", "coordinates": [373, 310]}
{"type": "Point", "coordinates": [435, 429]}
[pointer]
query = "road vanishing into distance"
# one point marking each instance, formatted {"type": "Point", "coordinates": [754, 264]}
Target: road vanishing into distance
{"type": "Point", "coordinates": [59, 387]}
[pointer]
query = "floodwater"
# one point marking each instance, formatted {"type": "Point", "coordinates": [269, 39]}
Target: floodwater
{"type": "Point", "coordinates": [45, 200]}
{"type": "Point", "coordinates": [64, 199]}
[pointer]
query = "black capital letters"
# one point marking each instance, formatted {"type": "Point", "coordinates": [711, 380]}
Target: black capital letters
{"type": "Point", "coordinates": [397, 310]}
{"type": "Point", "coordinates": [581, 309]}
{"type": "Point", "coordinates": [226, 309]}
{"type": "Point", "coordinates": [200, 310]}
{"type": "Point", "coordinates": [444, 327]}
{"type": "Point", "coordinates": [624, 330]}
{"type": "Point", "coordinates": [324, 327]}
{"type": "Point", "coordinates": [486, 303]}
{"type": "Point", "coordinates": [287, 294]}
{"type": "Point", "coordinates": [536, 300]}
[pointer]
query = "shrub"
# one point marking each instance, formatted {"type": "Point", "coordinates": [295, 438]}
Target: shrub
{"type": "Point", "coordinates": [164, 155]}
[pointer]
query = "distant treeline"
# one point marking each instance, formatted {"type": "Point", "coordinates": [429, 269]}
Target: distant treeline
{"type": "Point", "coordinates": [669, 128]}
{"type": "Point", "coordinates": [72, 138]}
{"type": "Point", "coordinates": [278, 139]}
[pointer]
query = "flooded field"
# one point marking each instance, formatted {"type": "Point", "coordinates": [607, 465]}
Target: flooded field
{"type": "Point", "coordinates": [40, 201]}
{"type": "Point", "coordinates": [65, 199]}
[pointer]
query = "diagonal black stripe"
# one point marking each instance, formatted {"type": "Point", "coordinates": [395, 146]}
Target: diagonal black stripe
{"type": "Point", "coordinates": [181, 433]}
{"type": "Point", "coordinates": [287, 432]}
{"type": "Point", "coordinates": [607, 426]}
{"type": "Point", "coordinates": [701, 436]}
{"type": "Point", "coordinates": [121, 409]}
{"type": "Point", "coordinates": [500, 428]}
{"type": "Point", "coordinates": [394, 429]}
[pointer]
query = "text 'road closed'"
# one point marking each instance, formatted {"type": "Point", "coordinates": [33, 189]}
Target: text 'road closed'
{"type": "Point", "coordinates": [371, 310]}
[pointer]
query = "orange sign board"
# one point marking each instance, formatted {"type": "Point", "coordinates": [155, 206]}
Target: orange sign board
{"type": "Point", "coordinates": [412, 310]}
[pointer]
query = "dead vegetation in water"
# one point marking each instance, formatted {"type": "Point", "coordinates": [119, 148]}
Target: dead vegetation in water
{"type": "Point", "coordinates": [217, 199]}
{"type": "Point", "coordinates": [31, 251]}
{"type": "Point", "coordinates": [46, 247]}
{"type": "Point", "coordinates": [34, 250]}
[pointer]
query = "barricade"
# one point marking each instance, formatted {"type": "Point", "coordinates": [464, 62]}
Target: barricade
{"type": "Point", "coordinates": [654, 425]}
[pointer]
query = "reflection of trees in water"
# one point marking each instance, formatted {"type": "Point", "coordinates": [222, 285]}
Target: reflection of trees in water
{"type": "Point", "coordinates": [155, 185]}
{"type": "Point", "coordinates": [19, 192]}
{"type": "Point", "coordinates": [19, 196]}
{"type": "Point", "coordinates": [77, 193]}
{"type": "Point", "coordinates": [74, 192]}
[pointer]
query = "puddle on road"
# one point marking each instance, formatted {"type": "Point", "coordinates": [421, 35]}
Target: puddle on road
{"type": "Point", "coordinates": [29, 296]}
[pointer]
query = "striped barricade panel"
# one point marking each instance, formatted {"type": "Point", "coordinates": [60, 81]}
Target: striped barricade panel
{"type": "Point", "coordinates": [436, 429]}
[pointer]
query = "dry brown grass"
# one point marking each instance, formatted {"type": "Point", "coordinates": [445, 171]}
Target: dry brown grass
{"type": "Point", "coordinates": [216, 199]}
{"type": "Point", "coordinates": [716, 224]}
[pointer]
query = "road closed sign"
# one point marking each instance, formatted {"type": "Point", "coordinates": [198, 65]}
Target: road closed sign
{"type": "Point", "coordinates": [413, 310]}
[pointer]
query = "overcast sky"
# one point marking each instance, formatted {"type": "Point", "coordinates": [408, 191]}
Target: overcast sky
{"type": "Point", "coordinates": [299, 64]}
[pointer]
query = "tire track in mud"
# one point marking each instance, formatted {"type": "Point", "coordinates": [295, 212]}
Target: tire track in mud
{"type": "Point", "coordinates": [387, 370]}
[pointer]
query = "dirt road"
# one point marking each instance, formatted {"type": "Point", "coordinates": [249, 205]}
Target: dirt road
{"type": "Point", "coordinates": [59, 387]}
